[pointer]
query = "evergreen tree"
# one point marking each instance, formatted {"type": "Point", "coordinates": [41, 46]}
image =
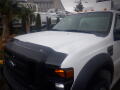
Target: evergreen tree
{"type": "Point", "coordinates": [58, 20]}
{"type": "Point", "coordinates": [49, 22]}
{"type": "Point", "coordinates": [38, 21]}
{"type": "Point", "coordinates": [26, 14]}
{"type": "Point", "coordinates": [8, 10]}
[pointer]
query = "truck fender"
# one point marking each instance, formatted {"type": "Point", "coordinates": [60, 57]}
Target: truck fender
{"type": "Point", "coordinates": [98, 62]}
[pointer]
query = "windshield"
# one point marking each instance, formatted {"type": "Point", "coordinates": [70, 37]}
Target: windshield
{"type": "Point", "coordinates": [97, 22]}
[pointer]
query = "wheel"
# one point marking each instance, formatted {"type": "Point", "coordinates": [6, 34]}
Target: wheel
{"type": "Point", "coordinates": [100, 86]}
{"type": "Point", "coordinates": [101, 81]}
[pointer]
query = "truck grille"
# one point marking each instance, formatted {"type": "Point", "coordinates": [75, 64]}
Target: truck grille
{"type": "Point", "coordinates": [27, 64]}
{"type": "Point", "coordinates": [20, 68]}
{"type": "Point", "coordinates": [26, 71]}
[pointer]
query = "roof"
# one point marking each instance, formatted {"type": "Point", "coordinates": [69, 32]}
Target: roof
{"type": "Point", "coordinates": [25, 0]}
{"type": "Point", "coordinates": [113, 11]}
{"type": "Point", "coordinates": [42, 1]}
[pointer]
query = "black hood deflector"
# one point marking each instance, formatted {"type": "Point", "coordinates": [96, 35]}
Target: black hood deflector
{"type": "Point", "coordinates": [34, 52]}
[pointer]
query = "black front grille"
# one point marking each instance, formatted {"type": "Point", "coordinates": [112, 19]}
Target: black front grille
{"type": "Point", "coordinates": [20, 68]}
{"type": "Point", "coordinates": [26, 63]}
{"type": "Point", "coordinates": [27, 72]}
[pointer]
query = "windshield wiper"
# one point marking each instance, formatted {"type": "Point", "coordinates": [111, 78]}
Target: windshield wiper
{"type": "Point", "coordinates": [83, 31]}
{"type": "Point", "coordinates": [65, 30]}
{"type": "Point", "coordinates": [55, 30]}
{"type": "Point", "coordinates": [71, 30]}
{"type": "Point", "coordinates": [80, 31]}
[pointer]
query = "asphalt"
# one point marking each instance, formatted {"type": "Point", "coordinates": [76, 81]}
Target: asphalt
{"type": "Point", "coordinates": [4, 85]}
{"type": "Point", "coordinates": [117, 86]}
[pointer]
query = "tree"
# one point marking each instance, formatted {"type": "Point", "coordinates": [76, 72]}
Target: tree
{"type": "Point", "coordinates": [33, 18]}
{"type": "Point", "coordinates": [49, 22]}
{"type": "Point", "coordinates": [58, 20]}
{"type": "Point", "coordinates": [38, 21]}
{"type": "Point", "coordinates": [79, 7]}
{"type": "Point", "coordinates": [26, 16]}
{"type": "Point", "coordinates": [8, 10]}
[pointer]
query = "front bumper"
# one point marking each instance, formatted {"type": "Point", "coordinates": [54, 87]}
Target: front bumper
{"type": "Point", "coordinates": [26, 63]}
{"type": "Point", "coordinates": [13, 84]}
{"type": "Point", "coordinates": [1, 71]}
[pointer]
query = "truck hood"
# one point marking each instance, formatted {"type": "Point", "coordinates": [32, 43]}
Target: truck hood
{"type": "Point", "coordinates": [65, 42]}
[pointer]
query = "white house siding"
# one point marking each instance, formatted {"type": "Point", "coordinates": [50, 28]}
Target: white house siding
{"type": "Point", "coordinates": [45, 5]}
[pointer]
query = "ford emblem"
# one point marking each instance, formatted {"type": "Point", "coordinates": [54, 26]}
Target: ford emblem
{"type": "Point", "coordinates": [12, 63]}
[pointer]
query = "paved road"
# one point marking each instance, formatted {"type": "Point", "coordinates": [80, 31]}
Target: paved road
{"type": "Point", "coordinates": [117, 86]}
{"type": "Point", "coordinates": [3, 86]}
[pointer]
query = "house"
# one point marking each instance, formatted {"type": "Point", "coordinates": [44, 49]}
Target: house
{"type": "Point", "coordinates": [45, 5]}
{"type": "Point", "coordinates": [29, 4]}
{"type": "Point", "coordinates": [101, 4]}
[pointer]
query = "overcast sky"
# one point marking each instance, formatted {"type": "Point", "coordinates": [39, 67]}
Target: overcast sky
{"type": "Point", "coordinates": [70, 4]}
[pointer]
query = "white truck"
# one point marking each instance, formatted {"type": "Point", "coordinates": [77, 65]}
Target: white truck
{"type": "Point", "coordinates": [82, 52]}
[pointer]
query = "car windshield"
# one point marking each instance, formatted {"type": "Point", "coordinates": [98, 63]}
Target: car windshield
{"type": "Point", "coordinates": [94, 22]}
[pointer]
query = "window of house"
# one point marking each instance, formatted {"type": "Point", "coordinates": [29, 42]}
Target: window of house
{"type": "Point", "coordinates": [102, 0]}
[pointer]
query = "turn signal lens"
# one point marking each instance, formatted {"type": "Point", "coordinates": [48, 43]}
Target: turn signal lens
{"type": "Point", "coordinates": [61, 73]}
{"type": "Point", "coordinates": [86, 11]}
{"type": "Point", "coordinates": [105, 9]}
{"type": "Point", "coordinates": [65, 73]}
{"type": "Point", "coordinates": [92, 10]}
{"type": "Point", "coordinates": [1, 61]}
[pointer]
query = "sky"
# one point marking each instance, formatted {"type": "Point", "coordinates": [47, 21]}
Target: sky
{"type": "Point", "coordinates": [70, 4]}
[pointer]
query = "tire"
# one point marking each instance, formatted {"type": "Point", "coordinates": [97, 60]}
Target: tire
{"type": "Point", "coordinates": [100, 86]}
{"type": "Point", "coordinates": [101, 81]}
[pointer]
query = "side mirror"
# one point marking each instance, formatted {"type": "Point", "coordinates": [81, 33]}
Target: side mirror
{"type": "Point", "coordinates": [117, 34]}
